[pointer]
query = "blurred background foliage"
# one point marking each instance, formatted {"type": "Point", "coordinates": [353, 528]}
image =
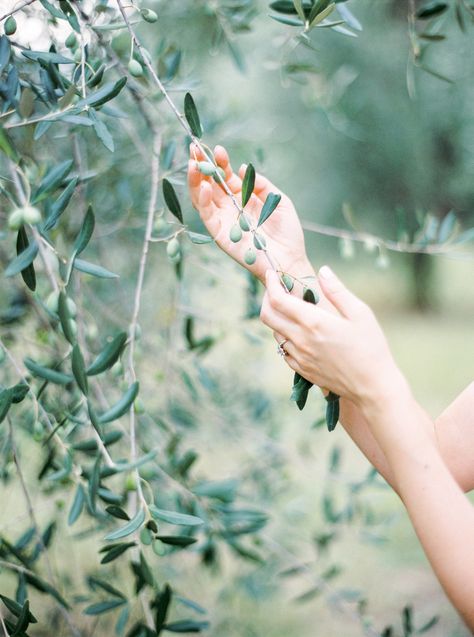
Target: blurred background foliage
{"type": "Point", "coordinates": [304, 539]}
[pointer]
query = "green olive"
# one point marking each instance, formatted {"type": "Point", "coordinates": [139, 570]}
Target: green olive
{"type": "Point", "coordinates": [159, 225]}
{"type": "Point", "coordinates": [149, 15]}
{"type": "Point", "coordinates": [235, 234]}
{"type": "Point", "coordinates": [71, 41]}
{"type": "Point", "coordinates": [221, 173]}
{"type": "Point", "coordinates": [250, 256]}
{"type": "Point", "coordinates": [145, 536]}
{"type": "Point", "coordinates": [206, 168]}
{"type": "Point", "coordinates": [158, 547]}
{"type": "Point", "coordinates": [15, 219]}
{"type": "Point", "coordinates": [173, 248]}
{"type": "Point", "coordinates": [288, 281]}
{"type": "Point", "coordinates": [52, 302]}
{"type": "Point", "coordinates": [10, 25]}
{"type": "Point", "coordinates": [78, 56]}
{"type": "Point", "coordinates": [259, 241]}
{"type": "Point", "coordinates": [243, 223]}
{"type": "Point", "coordinates": [135, 68]}
{"type": "Point", "coordinates": [31, 215]}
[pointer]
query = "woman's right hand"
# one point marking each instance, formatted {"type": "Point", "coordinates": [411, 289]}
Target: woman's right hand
{"type": "Point", "coordinates": [282, 230]}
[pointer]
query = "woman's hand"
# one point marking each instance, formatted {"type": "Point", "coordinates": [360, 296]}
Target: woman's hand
{"type": "Point", "coordinates": [283, 232]}
{"type": "Point", "coordinates": [346, 353]}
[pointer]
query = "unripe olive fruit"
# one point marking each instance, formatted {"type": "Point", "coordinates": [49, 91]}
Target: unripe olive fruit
{"type": "Point", "coordinates": [78, 56]}
{"type": "Point", "coordinates": [206, 168]}
{"type": "Point", "coordinates": [250, 256]}
{"type": "Point", "coordinates": [135, 68]}
{"type": "Point", "coordinates": [149, 15]}
{"type": "Point", "coordinates": [235, 234]}
{"type": "Point", "coordinates": [160, 224]}
{"type": "Point", "coordinates": [71, 41]}
{"type": "Point", "coordinates": [31, 215]}
{"type": "Point", "coordinates": [52, 302]}
{"type": "Point", "coordinates": [10, 25]}
{"type": "Point", "coordinates": [173, 248]}
{"type": "Point", "coordinates": [158, 547]}
{"type": "Point", "coordinates": [288, 281]}
{"type": "Point", "coordinates": [243, 223]}
{"type": "Point", "coordinates": [15, 219]}
{"type": "Point", "coordinates": [259, 241]}
{"type": "Point", "coordinates": [130, 483]}
{"type": "Point", "coordinates": [139, 406]}
{"type": "Point", "coordinates": [145, 536]}
{"type": "Point", "coordinates": [221, 173]}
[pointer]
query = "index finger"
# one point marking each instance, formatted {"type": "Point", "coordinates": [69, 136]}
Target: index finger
{"type": "Point", "coordinates": [285, 303]}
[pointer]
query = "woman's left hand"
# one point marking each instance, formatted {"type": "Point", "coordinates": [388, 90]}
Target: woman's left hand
{"type": "Point", "coordinates": [346, 353]}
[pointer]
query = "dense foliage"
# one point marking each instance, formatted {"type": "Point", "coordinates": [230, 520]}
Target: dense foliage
{"type": "Point", "coordinates": [105, 327]}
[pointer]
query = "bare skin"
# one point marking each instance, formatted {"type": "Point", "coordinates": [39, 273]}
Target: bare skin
{"type": "Point", "coordinates": [286, 241]}
{"type": "Point", "coordinates": [348, 354]}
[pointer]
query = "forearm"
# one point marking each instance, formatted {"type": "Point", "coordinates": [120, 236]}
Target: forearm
{"type": "Point", "coordinates": [441, 514]}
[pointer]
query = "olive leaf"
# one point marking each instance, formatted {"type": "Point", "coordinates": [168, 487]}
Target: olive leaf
{"type": "Point", "coordinates": [122, 406]}
{"type": "Point", "coordinates": [171, 200]}
{"type": "Point", "coordinates": [77, 505]}
{"type": "Point", "coordinates": [134, 524]}
{"type": "Point", "coordinates": [78, 369]}
{"type": "Point", "coordinates": [23, 260]}
{"type": "Point", "coordinates": [104, 607]}
{"type": "Point", "coordinates": [51, 375]}
{"type": "Point", "coordinates": [28, 273]}
{"type": "Point", "coordinates": [173, 517]}
{"type": "Point", "coordinates": [192, 115]}
{"type": "Point", "coordinates": [85, 233]}
{"type": "Point", "coordinates": [271, 202]}
{"type": "Point", "coordinates": [248, 184]}
{"type": "Point", "coordinates": [108, 356]}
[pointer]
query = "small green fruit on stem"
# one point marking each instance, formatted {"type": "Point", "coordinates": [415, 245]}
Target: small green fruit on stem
{"type": "Point", "coordinates": [173, 249]}
{"type": "Point", "coordinates": [288, 281]}
{"type": "Point", "coordinates": [235, 234]}
{"type": "Point", "coordinates": [243, 223]}
{"type": "Point", "coordinates": [135, 68]}
{"type": "Point", "coordinates": [149, 15]}
{"type": "Point", "coordinates": [250, 256]}
{"type": "Point", "coordinates": [71, 41]}
{"type": "Point", "coordinates": [10, 25]}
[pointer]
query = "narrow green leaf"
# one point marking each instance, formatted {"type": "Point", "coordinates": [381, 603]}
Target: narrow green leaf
{"type": "Point", "coordinates": [122, 406]}
{"type": "Point", "coordinates": [52, 180]}
{"type": "Point", "coordinates": [60, 205]}
{"type": "Point", "coordinates": [5, 403]}
{"type": "Point", "coordinates": [114, 551]}
{"type": "Point", "coordinates": [431, 9]}
{"type": "Point", "coordinates": [85, 233]}
{"type": "Point", "coordinates": [332, 411]}
{"type": "Point", "coordinates": [23, 620]}
{"type": "Point", "coordinates": [94, 270]}
{"type": "Point", "coordinates": [78, 369]}
{"type": "Point", "coordinates": [45, 587]}
{"type": "Point", "coordinates": [19, 392]}
{"type": "Point", "coordinates": [323, 15]}
{"type": "Point", "coordinates": [46, 373]}
{"type": "Point", "coordinates": [291, 22]}
{"type": "Point", "coordinates": [103, 95]}
{"type": "Point", "coordinates": [117, 512]}
{"type": "Point", "coordinates": [162, 603]}
{"type": "Point", "coordinates": [177, 540]}
{"type": "Point", "coordinates": [192, 116]}
{"type": "Point", "coordinates": [23, 260]}
{"type": "Point", "coordinates": [95, 582]}
{"type": "Point", "coordinates": [104, 607]}
{"type": "Point", "coordinates": [47, 57]}
{"type": "Point", "coordinates": [94, 482]}
{"type": "Point", "coordinates": [198, 238]}
{"type": "Point", "coordinates": [77, 505]}
{"type": "Point", "coordinates": [5, 52]}
{"type": "Point", "coordinates": [109, 355]}
{"type": "Point", "coordinates": [28, 274]}
{"type": "Point", "coordinates": [134, 524]}
{"type": "Point", "coordinates": [186, 626]}
{"type": "Point", "coordinates": [248, 184]}
{"type": "Point", "coordinates": [298, 4]}
{"type": "Point", "coordinates": [171, 200]}
{"type": "Point", "coordinates": [65, 318]}
{"type": "Point", "coordinates": [15, 608]}
{"type": "Point", "coordinates": [271, 202]}
{"type": "Point", "coordinates": [173, 517]}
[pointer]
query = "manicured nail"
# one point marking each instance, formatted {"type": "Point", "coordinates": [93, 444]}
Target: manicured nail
{"type": "Point", "coordinates": [326, 273]}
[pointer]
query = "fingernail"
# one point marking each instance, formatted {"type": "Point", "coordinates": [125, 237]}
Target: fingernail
{"type": "Point", "coordinates": [326, 273]}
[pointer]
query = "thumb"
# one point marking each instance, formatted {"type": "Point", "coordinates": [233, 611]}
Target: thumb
{"type": "Point", "coordinates": [345, 301]}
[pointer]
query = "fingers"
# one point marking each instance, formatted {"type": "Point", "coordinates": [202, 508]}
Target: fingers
{"type": "Point", "coordinates": [275, 320]}
{"type": "Point", "coordinates": [263, 186]}
{"type": "Point", "coordinates": [222, 159]}
{"type": "Point", "coordinates": [291, 307]}
{"type": "Point", "coordinates": [348, 304]}
{"type": "Point", "coordinates": [205, 203]}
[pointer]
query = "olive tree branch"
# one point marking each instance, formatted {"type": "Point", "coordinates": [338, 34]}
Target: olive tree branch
{"type": "Point", "coordinates": [19, 8]}
{"type": "Point", "coordinates": [274, 266]}
{"type": "Point", "coordinates": [367, 237]}
{"type": "Point", "coordinates": [34, 522]}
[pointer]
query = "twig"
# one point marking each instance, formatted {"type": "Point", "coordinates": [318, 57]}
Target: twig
{"type": "Point", "coordinates": [22, 6]}
{"type": "Point", "coordinates": [273, 264]}
{"type": "Point", "coordinates": [34, 522]}
{"type": "Point", "coordinates": [394, 246]}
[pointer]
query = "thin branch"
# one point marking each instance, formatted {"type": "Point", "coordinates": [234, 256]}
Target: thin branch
{"type": "Point", "coordinates": [363, 237]}
{"type": "Point", "coordinates": [34, 522]}
{"type": "Point", "coordinates": [19, 8]}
